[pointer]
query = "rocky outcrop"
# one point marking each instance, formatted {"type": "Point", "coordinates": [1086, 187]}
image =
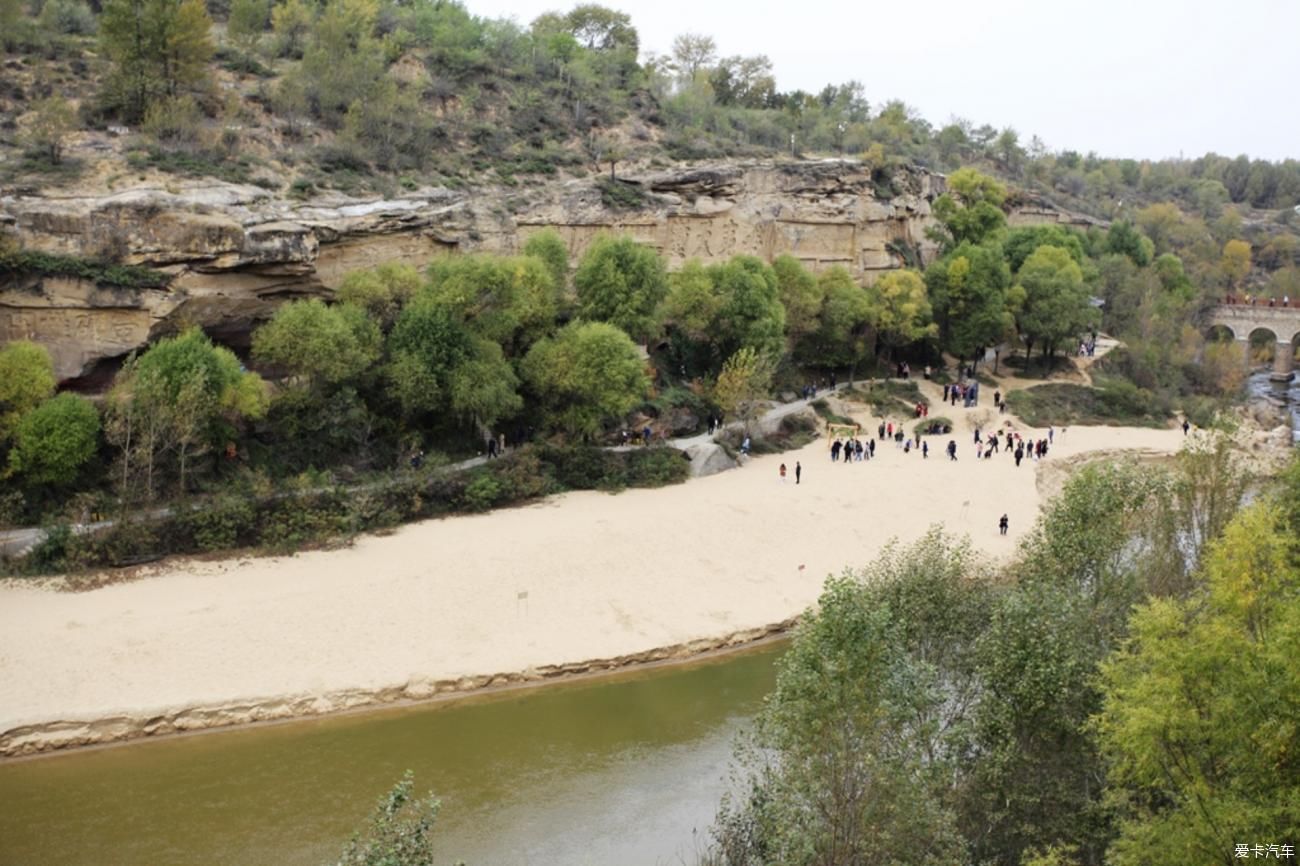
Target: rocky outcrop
{"type": "Point", "coordinates": [235, 252]}
{"type": "Point", "coordinates": [709, 458]}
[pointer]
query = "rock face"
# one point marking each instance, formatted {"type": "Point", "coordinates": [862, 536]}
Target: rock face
{"type": "Point", "coordinates": [236, 252]}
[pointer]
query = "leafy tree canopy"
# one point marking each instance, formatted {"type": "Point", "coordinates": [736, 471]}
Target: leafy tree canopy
{"type": "Point", "coordinates": [509, 301]}
{"type": "Point", "coordinates": [26, 379]}
{"type": "Point", "coordinates": [587, 374]}
{"type": "Point", "coordinates": [968, 288]}
{"type": "Point", "coordinates": [621, 282]}
{"type": "Point", "coordinates": [55, 441]}
{"type": "Point", "coordinates": [324, 345]}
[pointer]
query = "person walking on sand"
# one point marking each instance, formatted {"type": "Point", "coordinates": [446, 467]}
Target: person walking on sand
{"type": "Point", "coordinates": [952, 449]}
{"type": "Point", "coordinates": [798, 471]}
{"type": "Point", "coordinates": [1187, 425]}
{"type": "Point", "coordinates": [1002, 525]}
{"type": "Point", "coordinates": [782, 473]}
{"type": "Point", "coordinates": [1051, 434]}
{"type": "Point", "coordinates": [925, 450]}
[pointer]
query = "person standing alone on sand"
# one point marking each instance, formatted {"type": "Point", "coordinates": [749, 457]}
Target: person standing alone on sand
{"type": "Point", "coordinates": [1002, 525]}
{"type": "Point", "coordinates": [952, 449]}
{"type": "Point", "coordinates": [798, 471]}
{"type": "Point", "coordinates": [782, 473]}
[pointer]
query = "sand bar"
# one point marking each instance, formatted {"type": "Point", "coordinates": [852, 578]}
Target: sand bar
{"type": "Point", "coordinates": [436, 605]}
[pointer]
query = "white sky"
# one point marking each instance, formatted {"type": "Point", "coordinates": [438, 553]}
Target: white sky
{"type": "Point", "coordinates": [1134, 78]}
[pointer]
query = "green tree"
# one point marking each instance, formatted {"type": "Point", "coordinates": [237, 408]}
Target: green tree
{"type": "Point", "coordinates": [246, 24]}
{"type": "Point", "coordinates": [801, 295]}
{"type": "Point", "coordinates": [52, 121]}
{"type": "Point", "coordinates": [1161, 223]}
{"type": "Point", "coordinates": [1020, 242]}
{"type": "Point", "coordinates": [157, 47]}
{"type": "Point", "coordinates": [690, 311]}
{"type": "Point", "coordinates": [400, 832]}
{"type": "Point", "coordinates": [621, 282]}
{"type": "Point", "coordinates": [319, 344]}
{"type": "Point", "coordinates": [587, 374]}
{"type": "Point", "coordinates": [387, 122]}
{"type": "Point", "coordinates": [1123, 239]}
{"type": "Point", "coordinates": [1036, 775]}
{"type": "Point", "coordinates": [1198, 722]}
{"type": "Point", "coordinates": [600, 28]}
{"type": "Point", "coordinates": [342, 66]}
{"type": "Point", "coordinates": [510, 301]}
{"type": "Point", "coordinates": [853, 754]}
{"type": "Point", "coordinates": [11, 14]}
{"type": "Point", "coordinates": [746, 378]}
{"type": "Point", "coordinates": [969, 291]}
{"type": "Point", "coordinates": [1235, 263]}
{"type": "Point", "coordinates": [750, 313]}
{"type": "Point", "coordinates": [55, 441]}
{"type": "Point", "coordinates": [381, 291]}
{"type": "Point", "coordinates": [26, 379]}
{"type": "Point", "coordinates": [549, 247]}
{"type": "Point", "coordinates": [971, 208]}
{"type": "Point", "coordinates": [693, 303]}
{"type": "Point", "coordinates": [845, 323]}
{"type": "Point", "coordinates": [438, 365]}
{"type": "Point", "coordinates": [903, 313]}
{"type": "Point", "coordinates": [1055, 305]}
{"type": "Point", "coordinates": [1173, 278]}
{"type": "Point", "coordinates": [291, 21]}
{"type": "Point", "coordinates": [174, 403]}
{"type": "Point", "coordinates": [693, 53]}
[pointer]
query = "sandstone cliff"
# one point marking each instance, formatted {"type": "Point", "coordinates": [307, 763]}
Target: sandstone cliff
{"type": "Point", "coordinates": [235, 252]}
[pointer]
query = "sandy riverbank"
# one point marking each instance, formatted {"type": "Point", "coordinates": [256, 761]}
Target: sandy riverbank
{"type": "Point", "coordinates": [436, 606]}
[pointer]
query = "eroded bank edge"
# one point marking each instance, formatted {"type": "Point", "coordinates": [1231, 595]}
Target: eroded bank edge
{"type": "Point", "coordinates": [27, 742]}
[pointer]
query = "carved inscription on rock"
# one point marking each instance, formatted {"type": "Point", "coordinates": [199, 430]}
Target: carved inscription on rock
{"type": "Point", "coordinates": [74, 337]}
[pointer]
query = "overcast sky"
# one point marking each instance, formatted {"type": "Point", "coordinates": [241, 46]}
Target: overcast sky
{"type": "Point", "coordinates": [1136, 78]}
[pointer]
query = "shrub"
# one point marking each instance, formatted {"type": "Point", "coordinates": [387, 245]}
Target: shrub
{"type": "Point", "coordinates": [482, 492]}
{"type": "Point", "coordinates": [620, 195]}
{"type": "Point", "coordinates": [220, 525]}
{"type": "Point", "coordinates": [101, 273]}
{"type": "Point", "coordinates": [656, 467]}
{"type": "Point", "coordinates": [586, 468]}
{"type": "Point", "coordinates": [51, 552]}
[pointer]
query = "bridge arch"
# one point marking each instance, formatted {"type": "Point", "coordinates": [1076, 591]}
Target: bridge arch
{"type": "Point", "coordinates": [1217, 333]}
{"type": "Point", "coordinates": [1263, 329]}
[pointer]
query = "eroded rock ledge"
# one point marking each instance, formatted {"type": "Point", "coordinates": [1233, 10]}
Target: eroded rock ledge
{"type": "Point", "coordinates": [237, 251]}
{"type": "Point", "coordinates": [29, 740]}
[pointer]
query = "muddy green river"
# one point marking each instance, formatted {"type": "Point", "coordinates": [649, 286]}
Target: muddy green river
{"type": "Point", "coordinates": [618, 770]}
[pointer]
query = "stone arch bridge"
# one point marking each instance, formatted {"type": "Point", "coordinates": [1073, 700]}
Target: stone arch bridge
{"type": "Point", "coordinates": [1243, 320]}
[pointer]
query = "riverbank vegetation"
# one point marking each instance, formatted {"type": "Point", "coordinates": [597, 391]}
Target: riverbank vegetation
{"type": "Point", "coordinates": [527, 349]}
{"type": "Point", "coordinates": [1120, 693]}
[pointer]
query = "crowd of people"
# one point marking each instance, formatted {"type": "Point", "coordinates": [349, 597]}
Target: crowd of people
{"type": "Point", "coordinates": [1254, 300]}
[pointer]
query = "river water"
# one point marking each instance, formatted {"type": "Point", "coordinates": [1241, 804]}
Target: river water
{"type": "Point", "coordinates": [1259, 387]}
{"type": "Point", "coordinates": [626, 769]}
